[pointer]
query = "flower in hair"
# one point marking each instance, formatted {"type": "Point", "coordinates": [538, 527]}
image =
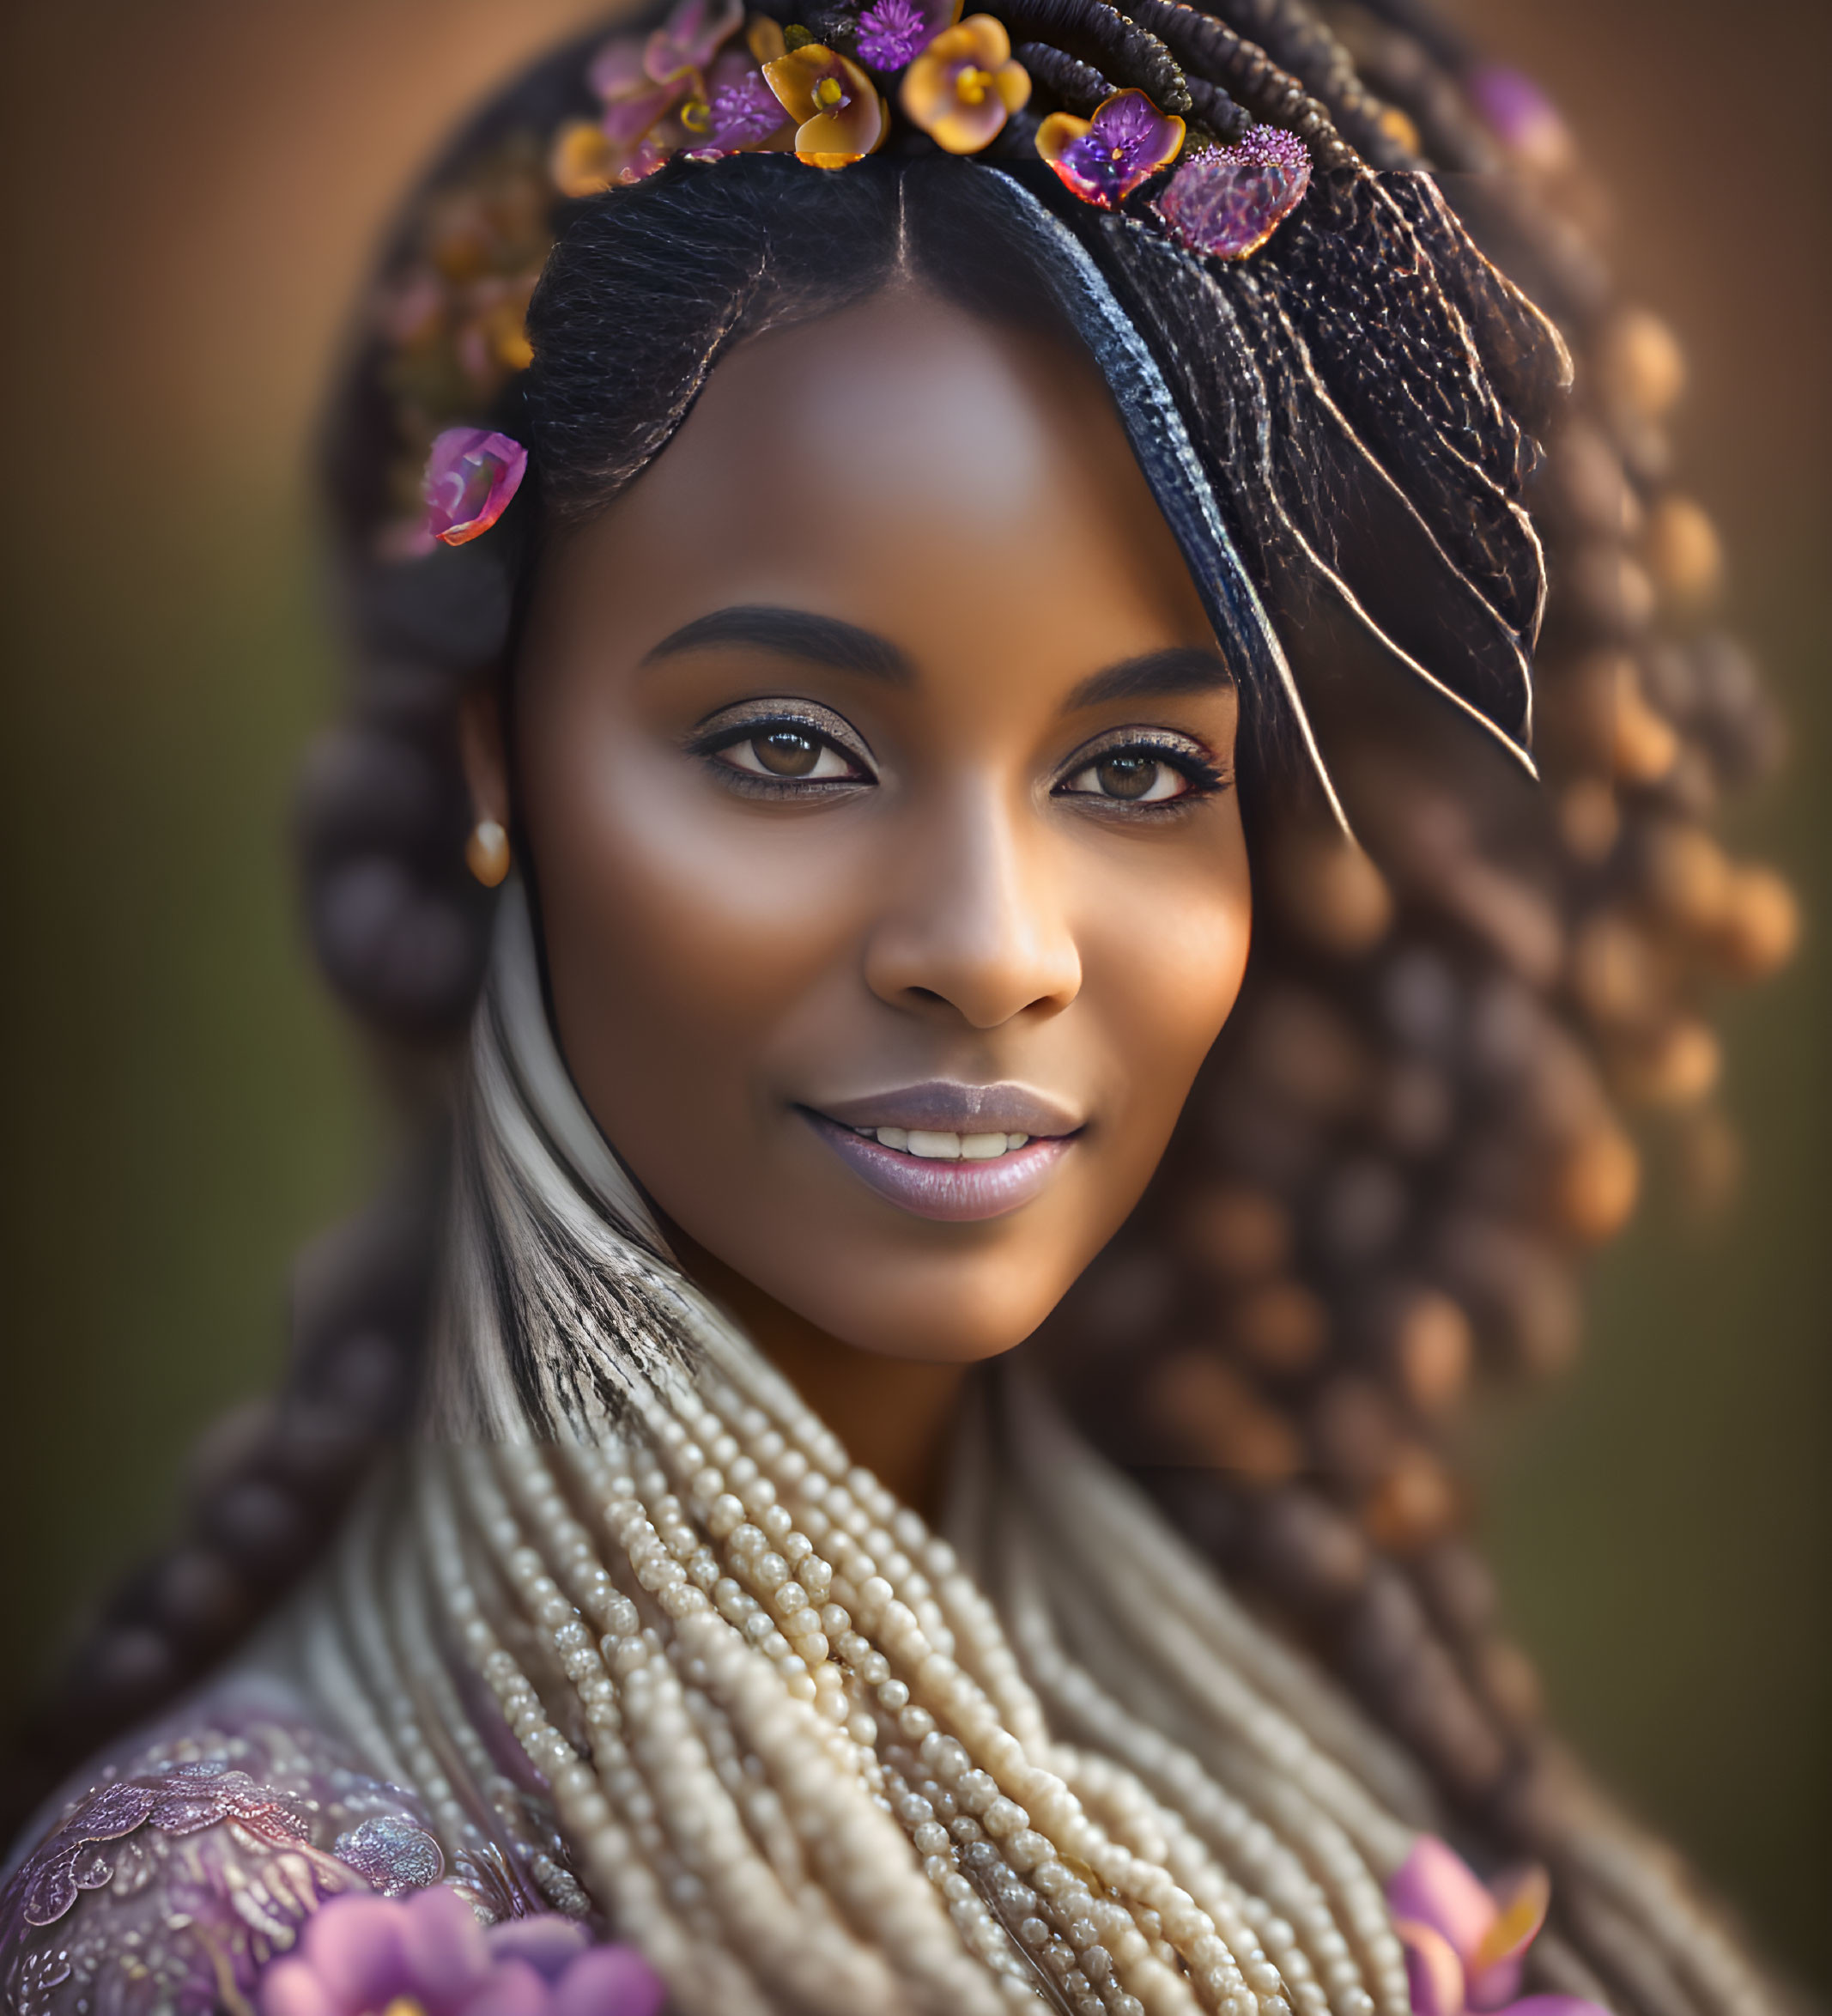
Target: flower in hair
{"type": "Point", "coordinates": [1104, 159]}
{"type": "Point", "coordinates": [839, 115]}
{"type": "Point", "coordinates": [657, 96]}
{"type": "Point", "coordinates": [470, 476]}
{"type": "Point", "coordinates": [427, 1953]}
{"type": "Point", "coordinates": [686, 42]}
{"type": "Point", "coordinates": [1521, 116]}
{"type": "Point", "coordinates": [1229, 201]}
{"type": "Point", "coordinates": [741, 110]}
{"type": "Point", "coordinates": [894, 32]}
{"type": "Point", "coordinates": [1465, 1944]}
{"type": "Point", "coordinates": [965, 85]}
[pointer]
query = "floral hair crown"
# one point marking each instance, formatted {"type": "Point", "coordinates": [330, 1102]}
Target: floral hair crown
{"type": "Point", "coordinates": [709, 82]}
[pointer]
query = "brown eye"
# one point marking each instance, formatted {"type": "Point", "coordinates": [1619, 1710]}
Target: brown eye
{"type": "Point", "coordinates": [784, 752]}
{"type": "Point", "coordinates": [1127, 774]}
{"type": "Point", "coordinates": [1141, 774]}
{"type": "Point", "coordinates": [787, 754]}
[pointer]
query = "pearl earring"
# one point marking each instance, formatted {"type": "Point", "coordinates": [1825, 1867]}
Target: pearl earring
{"type": "Point", "coordinates": [486, 852]}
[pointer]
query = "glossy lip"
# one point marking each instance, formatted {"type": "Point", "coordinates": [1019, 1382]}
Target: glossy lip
{"type": "Point", "coordinates": [954, 1191]}
{"type": "Point", "coordinates": [946, 1106]}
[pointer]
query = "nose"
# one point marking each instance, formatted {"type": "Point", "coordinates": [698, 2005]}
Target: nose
{"type": "Point", "coordinates": [975, 917]}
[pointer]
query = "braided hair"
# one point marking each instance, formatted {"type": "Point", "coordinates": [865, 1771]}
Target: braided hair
{"type": "Point", "coordinates": [1413, 1127]}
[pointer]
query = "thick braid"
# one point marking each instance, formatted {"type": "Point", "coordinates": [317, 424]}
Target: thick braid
{"type": "Point", "coordinates": [1299, 42]}
{"type": "Point", "coordinates": [1391, 1077]}
{"type": "Point", "coordinates": [1106, 38]}
{"type": "Point", "coordinates": [1212, 50]}
{"type": "Point", "coordinates": [1075, 85]}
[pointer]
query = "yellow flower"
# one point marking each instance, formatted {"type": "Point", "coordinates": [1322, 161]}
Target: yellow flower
{"type": "Point", "coordinates": [964, 86]}
{"type": "Point", "coordinates": [584, 162]}
{"type": "Point", "coordinates": [839, 115]}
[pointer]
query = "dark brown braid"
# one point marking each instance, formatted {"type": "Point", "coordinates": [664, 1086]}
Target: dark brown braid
{"type": "Point", "coordinates": [1102, 35]}
{"type": "Point", "coordinates": [1075, 86]}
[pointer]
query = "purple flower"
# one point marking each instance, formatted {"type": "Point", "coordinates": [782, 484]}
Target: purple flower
{"type": "Point", "coordinates": [359, 1955]}
{"type": "Point", "coordinates": [893, 33]}
{"type": "Point", "coordinates": [1228, 202]}
{"type": "Point", "coordinates": [470, 476]}
{"type": "Point", "coordinates": [1520, 115]}
{"type": "Point", "coordinates": [1464, 1944]}
{"type": "Point", "coordinates": [685, 43]}
{"type": "Point", "coordinates": [740, 108]}
{"type": "Point", "coordinates": [1103, 160]}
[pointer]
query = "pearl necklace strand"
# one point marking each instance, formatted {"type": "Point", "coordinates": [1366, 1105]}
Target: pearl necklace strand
{"type": "Point", "coordinates": [791, 1744]}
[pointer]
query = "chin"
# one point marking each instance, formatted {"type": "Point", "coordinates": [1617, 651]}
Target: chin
{"type": "Point", "coordinates": [958, 1312]}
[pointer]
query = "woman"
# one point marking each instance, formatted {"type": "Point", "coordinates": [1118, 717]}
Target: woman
{"type": "Point", "coordinates": [972, 509]}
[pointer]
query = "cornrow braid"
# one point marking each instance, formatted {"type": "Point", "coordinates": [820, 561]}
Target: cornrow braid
{"type": "Point", "coordinates": [1078, 86]}
{"type": "Point", "coordinates": [1213, 51]}
{"type": "Point", "coordinates": [1103, 36]}
{"type": "Point", "coordinates": [1304, 46]}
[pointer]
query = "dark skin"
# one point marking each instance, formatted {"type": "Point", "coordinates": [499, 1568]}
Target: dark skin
{"type": "Point", "coordinates": [876, 759]}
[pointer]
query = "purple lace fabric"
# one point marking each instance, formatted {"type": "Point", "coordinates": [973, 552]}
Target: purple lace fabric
{"type": "Point", "coordinates": [190, 1861]}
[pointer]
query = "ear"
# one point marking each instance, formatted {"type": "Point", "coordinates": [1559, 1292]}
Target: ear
{"type": "Point", "coordinates": [486, 760]}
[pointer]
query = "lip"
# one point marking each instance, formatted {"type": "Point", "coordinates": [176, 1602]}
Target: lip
{"type": "Point", "coordinates": [948, 1107]}
{"type": "Point", "coordinates": [957, 1192]}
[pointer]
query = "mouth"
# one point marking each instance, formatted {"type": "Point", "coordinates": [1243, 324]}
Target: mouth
{"type": "Point", "coordinates": [951, 1151]}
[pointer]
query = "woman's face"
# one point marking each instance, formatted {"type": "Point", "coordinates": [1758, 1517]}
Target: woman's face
{"type": "Point", "coordinates": [876, 759]}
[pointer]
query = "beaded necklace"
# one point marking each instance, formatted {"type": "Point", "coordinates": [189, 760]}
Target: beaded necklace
{"type": "Point", "coordinates": [793, 1745]}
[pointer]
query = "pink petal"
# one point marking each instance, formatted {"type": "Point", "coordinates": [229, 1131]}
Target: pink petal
{"type": "Point", "coordinates": [549, 1943]}
{"type": "Point", "coordinates": [471, 475]}
{"type": "Point", "coordinates": [687, 40]}
{"type": "Point", "coordinates": [1489, 1987]}
{"type": "Point", "coordinates": [353, 1945]}
{"type": "Point", "coordinates": [616, 70]}
{"type": "Point", "coordinates": [513, 1989]}
{"type": "Point", "coordinates": [1433, 1973]}
{"type": "Point", "coordinates": [443, 1943]}
{"type": "Point", "coordinates": [1494, 1968]}
{"type": "Point", "coordinates": [1436, 1887]}
{"type": "Point", "coordinates": [610, 1981]}
{"type": "Point", "coordinates": [629, 118]}
{"type": "Point", "coordinates": [290, 1988]}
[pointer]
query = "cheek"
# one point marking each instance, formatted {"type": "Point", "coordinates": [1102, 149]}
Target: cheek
{"type": "Point", "coordinates": [675, 924]}
{"type": "Point", "coordinates": [1163, 961]}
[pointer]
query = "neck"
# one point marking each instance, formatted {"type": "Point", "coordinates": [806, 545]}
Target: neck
{"type": "Point", "coordinates": [894, 1415]}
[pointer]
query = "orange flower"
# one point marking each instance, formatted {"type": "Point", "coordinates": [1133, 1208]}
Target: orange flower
{"type": "Point", "coordinates": [964, 86]}
{"type": "Point", "coordinates": [839, 116]}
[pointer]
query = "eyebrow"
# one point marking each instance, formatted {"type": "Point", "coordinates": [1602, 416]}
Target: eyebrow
{"type": "Point", "coordinates": [1182, 668]}
{"type": "Point", "coordinates": [791, 633]}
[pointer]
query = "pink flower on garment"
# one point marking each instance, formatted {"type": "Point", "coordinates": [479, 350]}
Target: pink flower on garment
{"type": "Point", "coordinates": [370, 1956]}
{"type": "Point", "coordinates": [1464, 1944]}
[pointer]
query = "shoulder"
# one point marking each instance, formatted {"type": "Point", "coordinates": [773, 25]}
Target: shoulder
{"type": "Point", "coordinates": [181, 1862]}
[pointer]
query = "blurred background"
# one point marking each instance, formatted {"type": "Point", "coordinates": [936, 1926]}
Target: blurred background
{"type": "Point", "coordinates": [191, 193]}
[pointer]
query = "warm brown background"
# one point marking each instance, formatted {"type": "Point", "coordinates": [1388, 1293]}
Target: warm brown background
{"type": "Point", "coordinates": [191, 189]}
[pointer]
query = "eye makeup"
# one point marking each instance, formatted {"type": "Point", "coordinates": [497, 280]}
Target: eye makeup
{"type": "Point", "coordinates": [778, 748]}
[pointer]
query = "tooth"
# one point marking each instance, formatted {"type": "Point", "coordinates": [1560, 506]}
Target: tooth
{"type": "Point", "coordinates": [981, 1147]}
{"type": "Point", "coordinates": [893, 1137]}
{"type": "Point", "coordinates": [1016, 1140]}
{"type": "Point", "coordinates": [935, 1147]}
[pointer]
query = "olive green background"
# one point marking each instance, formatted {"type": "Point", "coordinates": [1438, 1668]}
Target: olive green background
{"type": "Point", "coordinates": [191, 189]}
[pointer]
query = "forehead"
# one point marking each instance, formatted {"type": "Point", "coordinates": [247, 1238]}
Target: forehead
{"type": "Point", "coordinates": [909, 467]}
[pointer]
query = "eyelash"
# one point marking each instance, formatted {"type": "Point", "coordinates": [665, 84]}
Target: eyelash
{"type": "Point", "coordinates": [821, 729]}
{"type": "Point", "coordinates": [1203, 777]}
